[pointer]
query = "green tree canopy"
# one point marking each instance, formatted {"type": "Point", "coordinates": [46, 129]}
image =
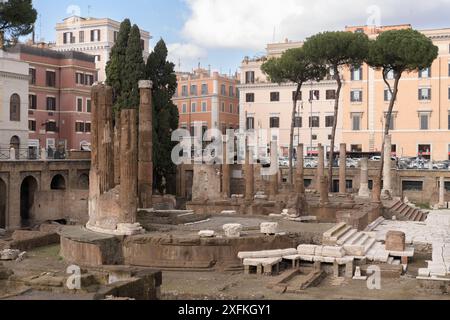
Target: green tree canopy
{"type": "Point", "coordinates": [133, 71]}
{"type": "Point", "coordinates": [294, 66]}
{"type": "Point", "coordinates": [165, 114]}
{"type": "Point", "coordinates": [16, 19]}
{"type": "Point", "coordinates": [116, 64]}
{"type": "Point", "coordinates": [337, 49]}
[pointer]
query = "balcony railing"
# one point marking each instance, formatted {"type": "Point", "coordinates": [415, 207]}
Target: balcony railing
{"type": "Point", "coordinates": [21, 154]}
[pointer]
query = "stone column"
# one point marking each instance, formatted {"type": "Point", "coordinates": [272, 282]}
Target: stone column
{"type": "Point", "coordinates": [320, 166]}
{"type": "Point", "coordinates": [376, 190]}
{"type": "Point", "coordinates": [145, 163]}
{"type": "Point", "coordinates": [300, 181]}
{"type": "Point", "coordinates": [274, 160]}
{"type": "Point", "coordinates": [343, 169]}
{"type": "Point", "coordinates": [364, 191]}
{"type": "Point", "coordinates": [249, 176]}
{"type": "Point", "coordinates": [387, 187]}
{"type": "Point", "coordinates": [324, 190]}
{"type": "Point", "coordinates": [441, 192]}
{"type": "Point", "coordinates": [116, 147]}
{"type": "Point", "coordinates": [129, 168]}
{"type": "Point", "coordinates": [226, 188]}
{"type": "Point", "coordinates": [12, 154]}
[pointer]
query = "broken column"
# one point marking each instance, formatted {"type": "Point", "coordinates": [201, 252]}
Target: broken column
{"type": "Point", "coordinates": [249, 175]}
{"type": "Point", "coordinates": [324, 190]}
{"type": "Point", "coordinates": [226, 188]}
{"type": "Point", "coordinates": [274, 161]}
{"type": "Point", "coordinates": [145, 162]}
{"type": "Point", "coordinates": [129, 167]}
{"type": "Point", "coordinates": [441, 192]}
{"type": "Point", "coordinates": [376, 190]}
{"type": "Point", "coordinates": [300, 180]}
{"type": "Point", "coordinates": [364, 191]}
{"type": "Point", "coordinates": [343, 169]}
{"type": "Point", "coordinates": [387, 188]}
{"type": "Point", "coordinates": [320, 165]}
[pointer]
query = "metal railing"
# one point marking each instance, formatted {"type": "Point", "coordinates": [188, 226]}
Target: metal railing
{"type": "Point", "coordinates": [11, 154]}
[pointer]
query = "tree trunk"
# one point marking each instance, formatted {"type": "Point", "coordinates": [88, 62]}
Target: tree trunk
{"type": "Point", "coordinates": [394, 93]}
{"type": "Point", "coordinates": [333, 133]}
{"type": "Point", "coordinates": [291, 145]}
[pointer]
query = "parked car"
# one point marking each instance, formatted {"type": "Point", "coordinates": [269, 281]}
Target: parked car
{"type": "Point", "coordinates": [311, 162]}
{"type": "Point", "coordinates": [441, 165]}
{"type": "Point", "coordinates": [283, 162]}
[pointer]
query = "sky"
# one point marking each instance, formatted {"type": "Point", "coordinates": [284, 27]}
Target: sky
{"type": "Point", "coordinates": [220, 33]}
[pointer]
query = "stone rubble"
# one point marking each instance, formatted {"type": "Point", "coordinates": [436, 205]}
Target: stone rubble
{"type": "Point", "coordinates": [232, 230]}
{"type": "Point", "coordinates": [269, 228]}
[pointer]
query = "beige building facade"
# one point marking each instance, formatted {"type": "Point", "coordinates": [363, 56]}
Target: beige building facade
{"type": "Point", "coordinates": [95, 37]}
{"type": "Point", "coordinates": [268, 106]}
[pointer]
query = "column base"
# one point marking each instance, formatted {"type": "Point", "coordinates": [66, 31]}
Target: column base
{"type": "Point", "coordinates": [364, 191]}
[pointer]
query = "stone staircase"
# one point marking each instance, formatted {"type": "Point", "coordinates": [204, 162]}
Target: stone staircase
{"type": "Point", "coordinates": [405, 212]}
{"type": "Point", "coordinates": [355, 243]}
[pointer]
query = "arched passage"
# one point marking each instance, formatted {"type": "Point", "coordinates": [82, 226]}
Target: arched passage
{"type": "Point", "coordinates": [27, 193]}
{"type": "Point", "coordinates": [83, 181]}
{"type": "Point", "coordinates": [3, 196]}
{"type": "Point", "coordinates": [58, 183]}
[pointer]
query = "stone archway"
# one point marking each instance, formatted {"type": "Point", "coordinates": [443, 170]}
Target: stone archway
{"type": "Point", "coordinates": [15, 143]}
{"type": "Point", "coordinates": [58, 183]}
{"type": "Point", "coordinates": [3, 196]}
{"type": "Point", "coordinates": [83, 181]}
{"type": "Point", "coordinates": [27, 196]}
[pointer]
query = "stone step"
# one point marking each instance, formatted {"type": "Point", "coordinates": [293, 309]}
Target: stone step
{"type": "Point", "coordinates": [354, 238]}
{"type": "Point", "coordinates": [329, 237]}
{"type": "Point", "coordinates": [396, 205]}
{"type": "Point", "coordinates": [346, 236]}
{"type": "Point", "coordinates": [415, 215]}
{"type": "Point", "coordinates": [409, 213]}
{"type": "Point", "coordinates": [369, 244]}
{"type": "Point", "coordinates": [362, 240]}
{"type": "Point", "coordinates": [404, 210]}
{"type": "Point", "coordinates": [341, 232]}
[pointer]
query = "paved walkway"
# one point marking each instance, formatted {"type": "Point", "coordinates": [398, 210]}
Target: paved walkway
{"type": "Point", "coordinates": [435, 231]}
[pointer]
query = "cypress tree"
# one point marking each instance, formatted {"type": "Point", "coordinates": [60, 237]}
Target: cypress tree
{"type": "Point", "coordinates": [165, 114]}
{"type": "Point", "coordinates": [117, 60]}
{"type": "Point", "coordinates": [133, 71]}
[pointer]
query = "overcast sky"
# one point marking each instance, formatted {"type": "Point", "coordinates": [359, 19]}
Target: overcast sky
{"type": "Point", "coordinates": [221, 32]}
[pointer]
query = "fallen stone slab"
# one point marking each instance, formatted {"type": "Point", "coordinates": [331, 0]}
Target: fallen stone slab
{"type": "Point", "coordinates": [232, 230]}
{"type": "Point", "coordinates": [9, 254]}
{"type": "Point", "coordinates": [206, 234]}
{"type": "Point", "coordinates": [306, 249]}
{"type": "Point", "coordinates": [228, 212]}
{"type": "Point", "coordinates": [266, 254]}
{"type": "Point", "coordinates": [269, 228]}
{"type": "Point", "coordinates": [335, 252]}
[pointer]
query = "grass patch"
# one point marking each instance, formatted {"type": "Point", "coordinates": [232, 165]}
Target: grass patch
{"type": "Point", "coordinates": [48, 251]}
{"type": "Point", "coordinates": [425, 206]}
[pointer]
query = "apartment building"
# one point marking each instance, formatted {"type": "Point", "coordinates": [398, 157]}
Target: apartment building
{"type": "Point", "coordinates": [207, 99]}
{"type": "Point", "coordinates": [95, 37]}
{"type": "Point", "coordinates": [13, 104]}
{"type": "Point", "coordinates": [421, 120]}
{"type": "Point", "coordinates": [59, 98]}
{"type": "Point", "coordinates": [268, 106]}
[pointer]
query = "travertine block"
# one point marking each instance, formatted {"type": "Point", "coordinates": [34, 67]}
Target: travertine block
{"type": "Point", "coordinates": [232, 230]}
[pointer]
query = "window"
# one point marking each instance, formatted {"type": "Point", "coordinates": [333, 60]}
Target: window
{"type": "Point", "coordinates": [330, 137]}
{"type": "Point", "coordinates": [88, 106]}
{"type": "Point", "coordinates": [392, 123]}
{"type": "Point", "coordinates": [89, 79]}
{"type": "Point", "coordinates": [424, 150]}
{"type": "Point", "coordinates": [356, 96]}
{"type": "Point", "coordinates": [223, 90]}
{"type": "Point", "coordinates": [223, 107]}
{"type": "Point", "coordinates": [314, 122]}
{"type": "Point", "coordinates": [50, 126]}
{"type": "Point", "coordinates": [50, 78]}
{"type": "Point", "coordinates": [314, 137]}
{"type": "Point", "coordinates": [387, 95]}
{"type": "Point", "coordinates": [95, 35]}
{"type": "Point", "coordinates": [250, 97]}
{"type": "Point", "coordinates": [356, 148]}
{"type": "Point", "coordinates": [449, 121]}
{"type": "Point", "coordinates": [274, 96]}
{"type": "Point", "coordinates": [79, 105]}
{"type": "Point", "coordinates": [448, 93]}
{"type": "Point", "coordinates": [32, 125]}
{"type": "Point", "coordinates": [142, 44]}
{"type": "Point", "coordinates": [412, 185]}
{"type": "Point", "coordinates": [79, 78]}
{"type": "Point", "coordinates": [389, 74]}
{"type": "Point", "coordinates": [32, 73]}
{"type": "Point", "coordinates": [250, 77]}
{"type": "Point", "coordinates": [424, 121]}
{"type": "Point", "coordinates": [98, 58]}
{"type": "Point", "coordinates": [298, 122]}
{"type": "Point", "coordinates": [204, 107]}
{"type": "Point", "coordinates": [51, 103]}
{"type": "Point", "coordinates": [193, 107]}
{"type": "Point", "coordinates": [250, 123]}
{"type": "Point", "coordinates": [193, 90]}
{"type": "Point", "coordinates": [81, 36]}
{"type": "Point", "coordinates": [231, 91]}
{"type": "Point", "coordinates": [314, 95]}
{"type": "Point", "coordinates": [14, 107]}
{"type": "Point", "coordinates": [231, 108]}
{"type": "Point", "coordinates": [116, 35]}
{"type": "Point", "coordinates": [87, 127]}
{"type": "Point", "coordinates": [32, 102]}
{"type": "Point", "coordinates": [299, 98]}
{"type": "Point", "coordinates": [356, 74]}
{"type": "Point", "coordinates": [449, 152]}
{"type": "Point", "coordinates": [68, 37]}
{"type": "Point", "coordinates": [79, 127]}
{"type": "Point", "coordinates": [424, 94]}
{"type": "Point", "coordinates": [184, 91]}
{"type": "Point", "coordinates": [274, 122]}
{"type": "Point", "coordinates": [204, 89]}
{"type": "Point", "coordinates": [425, 73]}
{"type": "Point", "coordinates": [356, 122]}
{"type": "Point", "coordinates": [329, 121]}
{"type": "Point", "coordinates": [331, 94]}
